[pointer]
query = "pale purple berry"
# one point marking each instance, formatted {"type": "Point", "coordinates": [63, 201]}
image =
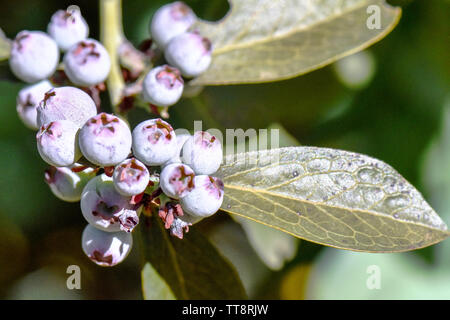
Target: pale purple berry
{"type": "Point", "coordinates": [87, 63]}
{"type": "Point", "coordinates": [206, 197]}
{"type": "Point", "coordinates": [28, 100]}
{"type": "Point", "coordinates": [202, 152]}
{"type": "Point", "coordinates": [154, 142]}
{"type": "Point", "coordinates": [67, 183]}
{"type": "Point", "coordinates": [181, 139]}
{"type": "Point", "coordinates": [176, 180]}
{"type": "Point", "coordinates": [34, 56]}
{"type": "Point", "coordinates": [190, 53]}
{"type": "Point", "coordinates": [66, 103]}
{"type": "Point", "coordinates": [131, 177]}
{"type": "Point", "coordinates": [106, 249]}
{"type": "Point", "coordinates": [106, 209]}
{"type": "Point", "coordinates": [57, 143]}
{"type": "Point", "coordinates": [68, 27]}
{"type": "Point", "coordinates": [105, 140]}
{"type": "Point", "coordinates": [169, 21]}
{"type": "Point", "coordinates": [163, 86]}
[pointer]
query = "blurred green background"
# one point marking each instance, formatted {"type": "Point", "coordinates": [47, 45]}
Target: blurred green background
{"type": "Point", "coordinates": [400, 114]}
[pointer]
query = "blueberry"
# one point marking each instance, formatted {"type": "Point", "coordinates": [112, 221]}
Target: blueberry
{"type": "Point", "coordinates": [163, 86]}
{"type": "Point", "coordinates": [57, 143]}
{"type": "Point", "coordinates": [28, 100]}
{"type": "Point", "coordinates": [190, 53]}
{"type": "Point", "coordinates": [106, 209]}
{"type": "Point", "coordinates": [131, 177]}
{"type": "Point", "coordinates": [169, 21]}
{"type": "Point", "coordinates": [34, 56]}
{"type": "Point", "coordinates": [177, 180]}
{"type": "Point", "coordinates": [106, 249]}
{"type": "Point", "coordinates": [206, 197]}
{"type": "Point", "coordinates": [67, 183]}
{"type": "Point", "coordinates": [87, 63]}
{"type": "Point", "coordinates": [66, 103]}
{"type": "Point", "coordinates": [202, 152]}
{"type": "Point", "coordinates": [105, 140]}
{"type": "Point", "coordinates": [67, 27]}
{"type": "Point", "coordinates": [154, 142]}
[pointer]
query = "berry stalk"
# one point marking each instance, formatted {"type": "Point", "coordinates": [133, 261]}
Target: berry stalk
{"type": "Point", "coordinates": [111, 35]}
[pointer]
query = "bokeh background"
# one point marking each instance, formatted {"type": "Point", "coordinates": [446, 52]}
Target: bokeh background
{"type": "Point", "coordinates": [391, 102]}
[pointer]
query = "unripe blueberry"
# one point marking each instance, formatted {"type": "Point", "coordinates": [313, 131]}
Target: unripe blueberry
{"type": "Point", "coordinates": [154, 142]}
{"type": "Point", "coordinates": [105, 140]}
{"type": "Point", "coordinates": [28, 100]}
{"type": "Point", "coordinates": [106, 209]}
{"type": "Point", "coordinates": [163, 86]}
{"type": "Point", "coordinates": [206, 197]}
{"type": "Point", "coordinates": [87, 63]}
{"type": "Point", "coordinates": [202, 152]}
{"type": "Point", "coordinates": [181, 139]}
{"type": "Point", "coordinates": [57, 143]}
{"type": "Point", "coordinates": [67, 183]}
{"type": "Point", "coordinates": [176, 180]}
{"type": "Point", "coordinates": [106, 248]}
{"type": "Point", "coordinates": [34, 56]}
{"type": "Point", "coordinates": [66, 103]}
{"type": "Point", "coordinates": [67, 27]}
{"type": "Point", "coordinates": [131, 177]}
{"type": "Point", "coordinates": [169, 21]}
{"type": "Point", "coordinates": [190, 53]}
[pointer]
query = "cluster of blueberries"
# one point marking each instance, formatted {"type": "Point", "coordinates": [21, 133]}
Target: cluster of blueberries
{"type": "Point", "coordinates": [95, 158]}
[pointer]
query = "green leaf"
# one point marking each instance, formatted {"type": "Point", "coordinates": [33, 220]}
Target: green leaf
{"type": "Point", "coordinates": [266, 40]}
{"type": "Point", "coordinates": [5, 45]}
{"type": "Point", "coordinates": [272, 246]}
{"type": "Point", "coordinates": [153, 286]}
{"type": "Point", "coordinates": [332, 197]}
{"type": "Point", "coordinates": [191, 267]}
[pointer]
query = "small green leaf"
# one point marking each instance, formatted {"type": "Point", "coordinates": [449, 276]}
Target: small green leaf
{"type": "Point", "coordinates": [153, 286]}
{"type": "Point", "coordinates": [266, 40]}
{"type": "Point", "coordinates": [5, 46]}
{"type": "Point", "coordinates": [332, 197]}
{"type": "Point", "coordinates": [191, 267]}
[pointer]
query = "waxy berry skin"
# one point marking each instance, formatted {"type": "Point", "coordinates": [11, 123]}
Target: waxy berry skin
{"type": "Point", "coordinates": [105, 140]}
{"type": "Point", "coordinates": [176, 180]}
{"type": "Point", "coordinates": [190, 53]}
{"type": "Point", "coordinates": [28, 100]}
{"type": "Point", "coordinates": [203, 153]}
{"type": "Point", "coordinates": [131, 177]}
{"type": "Point", "coordinates": [106, 249]}
{"type": "Point", "coordinates": [87, 63]}
{"type": "Point", "coordinates": [163, 86]}
{"type": "Point", "coordinates": [34, 56]}
{"type": "Point", "coordinates": [66, 103]}
{"type": "Point", "coordinates": [169, 21]}
{"type": "Point", "coordinates": [206, 197]}
{"type": "Point", "coordinates": [67, 183]}
{"type": "Point", "coordinates": [154, 142]}
{"type": "Point", "coordinates": [57, 143]}
{"type": "Point", "coordinates": [67, 27]}
{"type": "Point", "coordinates": [106, 209]}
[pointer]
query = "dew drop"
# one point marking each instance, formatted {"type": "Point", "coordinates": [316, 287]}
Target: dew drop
{"type": "Point", "coordinates": [295, 173]}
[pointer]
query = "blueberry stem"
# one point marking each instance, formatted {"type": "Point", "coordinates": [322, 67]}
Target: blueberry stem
{"type": "Point", "coordinates": [112, 36]}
